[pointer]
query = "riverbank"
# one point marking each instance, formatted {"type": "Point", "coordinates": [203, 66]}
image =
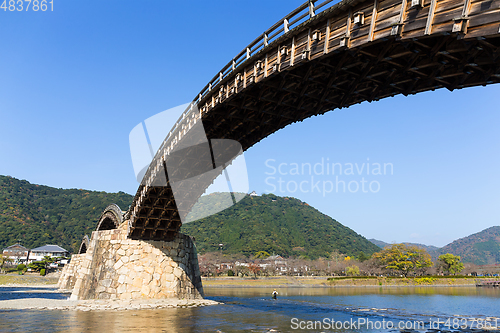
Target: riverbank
{"type": "Point", "coordinates": [28, 279]}
{"type": "Point", "coordinates": [29, 296]}
{"type": "Point", "coordinates": [324, 281]}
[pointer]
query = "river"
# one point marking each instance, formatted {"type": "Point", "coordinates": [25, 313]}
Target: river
{"type": "Point", "coordinates": [340, 309]}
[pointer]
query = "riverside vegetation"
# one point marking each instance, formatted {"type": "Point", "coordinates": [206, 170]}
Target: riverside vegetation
{"type": "Point", "coordinates": [257, 225]}
{"type": "Point", "coordinates": [36, 215]}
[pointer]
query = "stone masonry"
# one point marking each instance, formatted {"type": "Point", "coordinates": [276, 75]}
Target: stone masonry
{"type": "Point", "coordinates": [116, 267]}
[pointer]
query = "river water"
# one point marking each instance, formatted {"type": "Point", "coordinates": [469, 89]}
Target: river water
{"type": "Point", "coordinates": [361, 309]}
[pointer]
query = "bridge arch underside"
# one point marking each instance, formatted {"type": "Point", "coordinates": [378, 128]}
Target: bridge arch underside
{"type": "Point", "coordinates": [84, 245]}
{"type": "Point", "coordinates": [111, 218]}
{"type": "Point", "coordinates": [368, 73]}
{"type": "Point", "coordinates": [276, 87]}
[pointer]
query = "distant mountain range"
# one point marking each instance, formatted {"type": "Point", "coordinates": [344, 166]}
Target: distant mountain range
{"type": "Point", "coordinates": [428, 248]}
{"type": "Point", "coordinates": [482, 248]}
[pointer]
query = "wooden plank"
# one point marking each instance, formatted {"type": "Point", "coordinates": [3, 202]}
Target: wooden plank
{"type": "Point", "coordinates": [402, 14]}
{"type": "Point", "coordinates": [484, 19]}
{"type": "Point", "coordinates": [348, 24]}
{"type": "Point", "coordinates": [448, 4]}
{"type": "Point", "coordinates": [254, 73]}
{"type": "Point", "coordinates": [373, 21]}
{"type": "Point", "coordinates": [388, 5]}
{"type": "Point", "coordinates": [337, 32]}
{"type": "Point", "coordinates": [337, 23]}
{"type": "Point", "coordinates": [382, 33]}
{"type": "Point", "coordinates": [244, 78]}
{"type": "Point", "coordinates": [466, 10]}
{"type": "Point", "coordinates": [416, 24]}
{"type": "Point", "coordinates": [344, 41]}
{"type": "Point", "coordinates": [389, 12]}
{"type": "Point", "coordinates": [309, 45]}
{"type": "Point", "coordinates": [265, 65]}
{"type": "Point", "coordinates": [293, 51]}
{"type": "Point", "coordinates": [430, 18]}
{"type": "Point", "coordinates": [327, 36]}
{"type": "Point", "coordinates": [361, 32]}
{"type": "Point", "coordinates": [447, 16]}
{"type": "Point", "coordinates": [482, 6]}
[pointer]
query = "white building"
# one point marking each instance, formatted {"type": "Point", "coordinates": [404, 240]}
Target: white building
{"type": "Point", "coordinates": [53, 251]}
{"type": "Point", "coordinates": [17, 253]}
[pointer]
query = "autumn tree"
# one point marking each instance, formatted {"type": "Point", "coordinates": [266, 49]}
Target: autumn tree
{"type": "Point", "coordinates": [254, 268]}
{"type": "Point", "coordinates": [403, 258]}
{"type": "Point", "coordinates": [450, 263]}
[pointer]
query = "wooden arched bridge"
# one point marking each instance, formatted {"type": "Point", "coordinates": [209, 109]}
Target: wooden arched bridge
{"type": "Point", "coordinates": [321, 57]}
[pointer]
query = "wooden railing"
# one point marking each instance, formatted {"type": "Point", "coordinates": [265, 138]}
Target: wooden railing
{"type": "Point", "coordinates": [301, 14]}
{"type": "Point", "coordinates": [304, 12]}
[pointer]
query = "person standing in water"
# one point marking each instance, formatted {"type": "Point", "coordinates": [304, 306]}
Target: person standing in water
{"type": "Point", "coordinates": [275, 294]}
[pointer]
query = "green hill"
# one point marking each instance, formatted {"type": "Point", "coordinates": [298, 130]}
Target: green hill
{"type": "Point", "coordinates": [281, 225]}
{"type": "Point", "coordinates": [36, 215]}
{"type": "Point", "coordinates": [482, 248]}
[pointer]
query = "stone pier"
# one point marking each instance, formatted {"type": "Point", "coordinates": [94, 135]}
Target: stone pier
{"type": "Point", "coordinates": [116, 267]}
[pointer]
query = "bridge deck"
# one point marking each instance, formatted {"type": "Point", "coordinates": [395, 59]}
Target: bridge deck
{"type": "Point", "coordinates": [335, 56]}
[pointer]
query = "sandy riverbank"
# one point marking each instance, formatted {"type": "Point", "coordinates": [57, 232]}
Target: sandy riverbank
{"type": "Point", "coordinates": [323, 281]}
{"type": "Point", "coordinates": [48, 303]}
{"type": "Point", "coordinates": [28, 279]}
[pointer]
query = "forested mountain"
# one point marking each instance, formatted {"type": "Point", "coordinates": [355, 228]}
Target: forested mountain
{"type": "Point", "coordinates": [36, 215]}
{"type": "Point", "coordinates": [281, 225]}
{"type": "Point", "coordinates": [482, 248]}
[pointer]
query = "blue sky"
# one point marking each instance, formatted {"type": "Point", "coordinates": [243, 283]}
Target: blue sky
{"type": "Point", "coordinates": [75, 81]}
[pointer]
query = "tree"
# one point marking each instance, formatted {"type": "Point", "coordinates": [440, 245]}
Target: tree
{"type": "Point", "coordinates": [42, 264]}
{"type": "Point", "coordinates": [352, 270]}
{"type": "Point", "coordinates": [450, 263]}
{"type": "Point", "coordinates": [254, 268]}
{"type": "Point", "coordinates": [403, 258]}
{"type": "Point", "coordinates": [362, 256]}
{"type": "Point", "coordinates": [3, 261]}
{"type": "Point", "coordinates": [261, 255]}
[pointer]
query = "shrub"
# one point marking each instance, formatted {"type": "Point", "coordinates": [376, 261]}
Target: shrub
{"type": "Point", "coordinates": [230, 273]}
{"type": "Point", "coordinates": [21, 267]}
{"type": "Point", "coordinates": [42, 272]}
{"type": "Point", "coordinates": [425, 280]}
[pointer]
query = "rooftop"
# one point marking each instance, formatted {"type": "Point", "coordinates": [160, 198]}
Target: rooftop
{"type": "Point", "coordinates": [49, 248]}
{"type": "Point", "coordinates": [17, 247]}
